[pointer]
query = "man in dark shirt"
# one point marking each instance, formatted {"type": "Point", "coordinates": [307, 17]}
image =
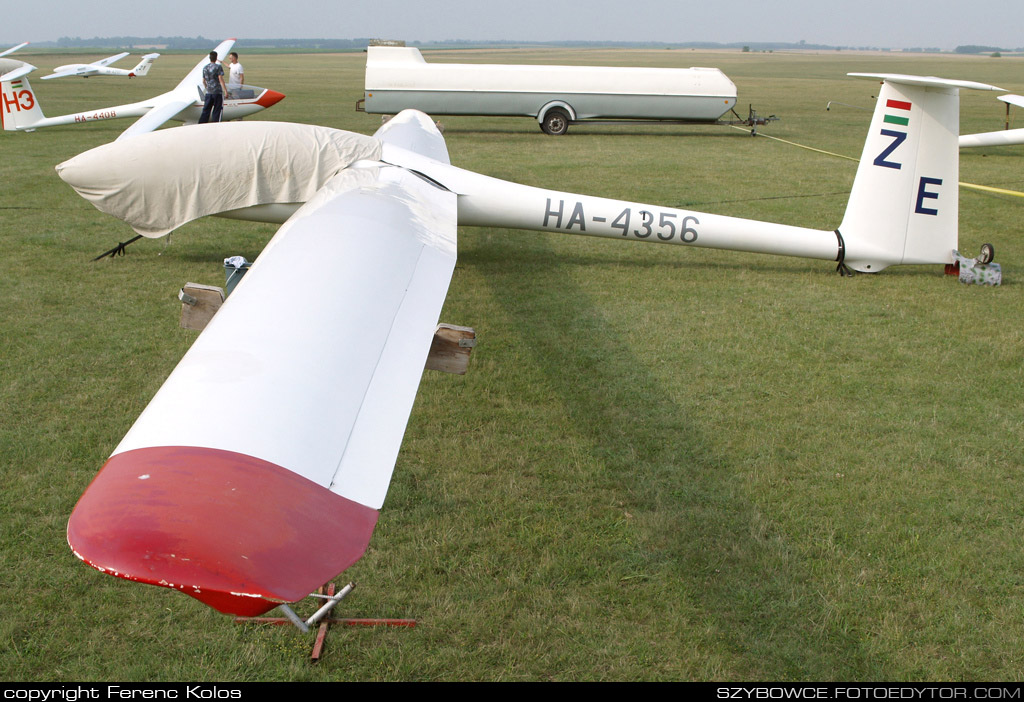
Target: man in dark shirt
{"type": "Point", "coordinates": [213, 81]}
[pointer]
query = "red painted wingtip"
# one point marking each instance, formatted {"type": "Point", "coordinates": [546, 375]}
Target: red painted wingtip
{"type": "Point", "coordinates": [269, 98]}
{"type": "Point", "coordinates": [237, 533]}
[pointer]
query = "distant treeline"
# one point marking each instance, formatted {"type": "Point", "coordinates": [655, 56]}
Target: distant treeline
{"type": "Point", "coordinates": [191, 43]}
{"type": "Point", "coordinates": [976, 49]}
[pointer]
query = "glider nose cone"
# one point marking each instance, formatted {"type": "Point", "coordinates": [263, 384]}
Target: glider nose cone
{"type": "Point", "coordinates": [270, 98]}
{"type": "Point", "coordinates": [237, 533]}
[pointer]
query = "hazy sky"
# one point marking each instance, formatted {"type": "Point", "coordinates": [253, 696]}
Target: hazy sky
{"type": "Point", "coordinates": [884, 23]}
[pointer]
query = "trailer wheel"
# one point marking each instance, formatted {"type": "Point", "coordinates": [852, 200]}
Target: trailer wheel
{"type": "Point", "coordinates": [555, 122]}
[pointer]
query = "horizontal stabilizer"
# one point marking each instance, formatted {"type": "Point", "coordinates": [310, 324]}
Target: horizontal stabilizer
{"type": "Point", "coordinates": [925, 81]}
{"type": "Point", "coordinates": [17, 73]}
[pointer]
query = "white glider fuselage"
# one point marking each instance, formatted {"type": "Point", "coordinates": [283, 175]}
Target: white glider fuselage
{"type": "Point", "coordinates": [233, 109]}
{"type": "Point", "coordinates": [903, 208]}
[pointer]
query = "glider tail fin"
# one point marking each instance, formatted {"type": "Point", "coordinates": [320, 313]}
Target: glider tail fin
{"type": "Point", "coordinates": [143, 67]}
{"type": "Point", "coordinates": [19, 108]}
{"type": "Point", "coordinates": [904, 204]}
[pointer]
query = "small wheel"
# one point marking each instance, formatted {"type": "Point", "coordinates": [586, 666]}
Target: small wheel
{"type": "Point", "coordinates": [988, 252]}
{"type": "Point", "coordinates": [555, 122]}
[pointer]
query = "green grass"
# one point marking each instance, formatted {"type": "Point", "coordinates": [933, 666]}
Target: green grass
{"type": "Point", "coordinates": [664, 463]}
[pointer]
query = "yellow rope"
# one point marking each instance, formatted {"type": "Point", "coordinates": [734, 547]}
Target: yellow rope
{"type": "Point", "coordinates": [990, 189]}
{"type": "Point", "coordinates": [985, 188]}
{"type": "Point", "coordinates": [809, 148]}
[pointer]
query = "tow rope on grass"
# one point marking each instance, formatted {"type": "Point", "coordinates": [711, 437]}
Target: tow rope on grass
{"type": "Point", "coordinates": [973, 186]}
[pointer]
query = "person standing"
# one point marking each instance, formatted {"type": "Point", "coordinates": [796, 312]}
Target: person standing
{"type": "Point", "coordinates": [213, 81]}
{"type": "Point", "coordinates": [236, 72]}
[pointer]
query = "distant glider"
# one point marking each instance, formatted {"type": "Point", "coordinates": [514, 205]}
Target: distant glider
{"type": "Point", "coordinates": [1005, 137]}
{"type": "Point", "coordinates": [282, 493]}
{"type": "Point", "coordinates": [102, 68]}
{"type": "Point", "coordinates": [21, 111]}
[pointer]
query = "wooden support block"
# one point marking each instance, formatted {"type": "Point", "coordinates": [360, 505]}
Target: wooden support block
{"type": "Point", "coordinates": [449, 351]}
{"type": "Point", "coordinates": [198, 305]}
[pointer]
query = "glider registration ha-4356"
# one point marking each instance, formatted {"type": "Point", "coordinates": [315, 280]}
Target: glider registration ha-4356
{"type": "Point", "coordinates": [20, 109]}
{"type": "Point", "coordinates": [282, 494]}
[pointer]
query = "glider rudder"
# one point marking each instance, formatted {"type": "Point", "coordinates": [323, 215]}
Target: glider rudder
{"type": "Point", "coordinates": [143, 67]}
{"type": "Point", "coordinates": [904, 204]}
{"type": "Point", "coordinates": [19, 107]}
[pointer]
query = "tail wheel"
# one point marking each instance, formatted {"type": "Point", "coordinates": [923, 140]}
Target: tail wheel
{"type": "Point", "coordinates": [988, 252]}
{"type": "Point", "coordinates": [555, 122]}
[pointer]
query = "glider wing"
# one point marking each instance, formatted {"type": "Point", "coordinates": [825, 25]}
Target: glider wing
{"type": "Point", "coordinates": [166, 108]}
{"type": "Point", "coordinates": [110, 59]}
{"type": "Point", "coordinates": [13, 49]}
{"type": "Point", "coordinates": [256, 473]}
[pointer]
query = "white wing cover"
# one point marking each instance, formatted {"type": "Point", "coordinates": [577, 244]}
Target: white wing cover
{"type": "Point", "coordinates": [230, 166]}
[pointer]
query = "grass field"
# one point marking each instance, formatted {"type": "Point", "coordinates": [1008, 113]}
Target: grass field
{"type": "Point", "coordinates": [664, 463]}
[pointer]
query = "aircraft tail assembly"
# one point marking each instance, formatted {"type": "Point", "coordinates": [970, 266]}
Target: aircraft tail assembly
{"type": "Point", "coordinates": [905, 199]}
{"type": "Point", "coordinates": [902, 209]}
{"type": "Point", "coordinates": [19, 108]}
{"type": "Point", "coordinates": [143, 67]}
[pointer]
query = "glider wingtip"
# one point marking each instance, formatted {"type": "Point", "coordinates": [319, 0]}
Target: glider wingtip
{"type": "Point", "coordinates": [181, 517]}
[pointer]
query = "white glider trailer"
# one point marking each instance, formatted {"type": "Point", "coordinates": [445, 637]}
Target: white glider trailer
{"type": "Point", "coordinates": [398, 78]}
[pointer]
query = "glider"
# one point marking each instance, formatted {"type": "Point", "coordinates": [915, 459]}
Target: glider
{"type": "Point", "coordinates": [20, 110]}
{"type": "Point", "coordinates": [1004, 137]}
{"type": "Point", "coordinates": [102, 68]}
{"type": "Point", "coordinates": [281, 494]}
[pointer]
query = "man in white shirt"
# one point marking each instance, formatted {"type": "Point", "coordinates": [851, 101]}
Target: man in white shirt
{"type": "Point", "coordinates": [236, 74]}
